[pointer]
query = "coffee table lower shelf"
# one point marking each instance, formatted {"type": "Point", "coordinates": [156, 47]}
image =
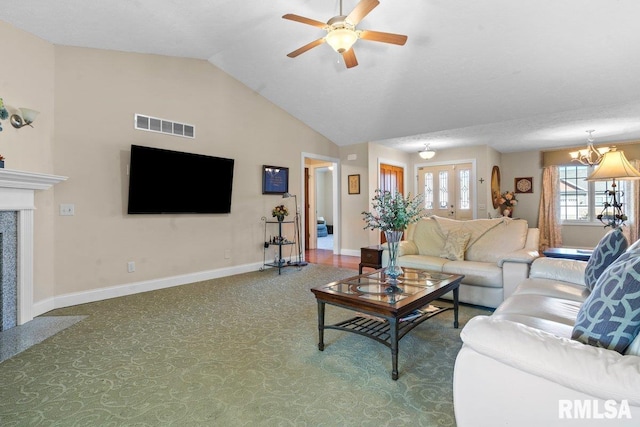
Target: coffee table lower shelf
{"type": "Point", "coordinates": [381, 330]}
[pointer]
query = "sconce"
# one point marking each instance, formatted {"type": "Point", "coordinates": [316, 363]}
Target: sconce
{"type": "Point", "coordinates": [28, 116]}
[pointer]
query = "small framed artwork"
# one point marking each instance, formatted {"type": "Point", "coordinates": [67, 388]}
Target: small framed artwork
{"type": "Point", "coordinates": [275, 180]}
{"type": "Point", "coordinates": [354, 184]}
{"type": "Point", "coordinates": [523, 185]}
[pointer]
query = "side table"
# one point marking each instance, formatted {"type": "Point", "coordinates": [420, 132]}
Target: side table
{"type": "Point", "coordinates": [371, 256]}
{"type": "Point", "coordinates": [569, 253]}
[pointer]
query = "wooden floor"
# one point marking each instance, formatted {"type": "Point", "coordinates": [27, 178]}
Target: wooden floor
{"type": "Point", "coordinates": [326, 257]}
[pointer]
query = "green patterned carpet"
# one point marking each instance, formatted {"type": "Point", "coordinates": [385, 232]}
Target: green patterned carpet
{"type": "Point", "coordinates": [235, 351]}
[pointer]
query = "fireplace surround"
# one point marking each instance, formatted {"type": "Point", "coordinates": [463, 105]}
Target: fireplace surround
{"type": "Point", "coordinates": [17, 194]}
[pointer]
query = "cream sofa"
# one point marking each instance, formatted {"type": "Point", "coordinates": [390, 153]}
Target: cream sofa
{"type": "Point", "coordinates": [493, 254]}
{"type": "Point", "coordinates": [520, 367]}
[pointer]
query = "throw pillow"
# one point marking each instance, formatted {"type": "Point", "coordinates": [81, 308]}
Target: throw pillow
{"type": "Point", "coordinates": [610, 316]}
{"type": "Point", "coordinates": [456, 244]}
{"type": "Point", "coordinates": [633, 250]}
{"type": "Point", "coordinates": [612, 245]}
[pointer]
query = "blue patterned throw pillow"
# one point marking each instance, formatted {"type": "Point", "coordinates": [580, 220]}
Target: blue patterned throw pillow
{"type": "Point", "coordinates": [610, 316]}
{"type": "Point", "coordinates": [612, 245]}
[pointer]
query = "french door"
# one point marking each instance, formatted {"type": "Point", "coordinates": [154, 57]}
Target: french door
{"type": "Point", "coordinates": [447, 190]}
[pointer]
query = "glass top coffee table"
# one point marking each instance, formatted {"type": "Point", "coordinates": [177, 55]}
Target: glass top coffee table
{"type": "Point", "coordinates": [383, 316]}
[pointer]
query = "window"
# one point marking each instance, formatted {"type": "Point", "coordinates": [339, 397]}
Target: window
{"type": "Point", "coordinates": [444, 192]}
{"type": "Point", "coordinates": [465, 195]}
{"type": "Point", "coordinates": [580, 200]}
{"type": "Point", "coordinates": [428, 190]}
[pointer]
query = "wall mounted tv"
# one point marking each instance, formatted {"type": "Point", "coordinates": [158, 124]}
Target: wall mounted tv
{"type": "Point", "coordinates": [173, 182]}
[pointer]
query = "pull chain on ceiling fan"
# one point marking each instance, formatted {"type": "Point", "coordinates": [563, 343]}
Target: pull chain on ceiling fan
{"type": "Point", "coordinates": [342, 33]}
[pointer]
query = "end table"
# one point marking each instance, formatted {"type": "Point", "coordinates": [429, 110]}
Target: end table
{"type": "Point", "coordinates": [371, 256]}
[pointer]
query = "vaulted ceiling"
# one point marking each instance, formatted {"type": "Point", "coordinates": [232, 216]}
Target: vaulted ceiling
{"type": "Point", "coordinates": [516, 75]}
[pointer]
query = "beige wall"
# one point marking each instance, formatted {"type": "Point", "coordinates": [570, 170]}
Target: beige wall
{"type": "Point", "coordinates": [27, 80]}
{"type": "Point", "coordinates": [97, 94]}
{"type": "Point", "coordinates": [519, 165]}
{"type": "Point", "coordinates": [353, 236]}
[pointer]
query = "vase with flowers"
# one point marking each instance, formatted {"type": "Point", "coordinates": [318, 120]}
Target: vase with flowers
{"type": "Point", "coordinates": [280, 212]}
{"type": "Point", "coordinates": [1, 161]}
{"type": "Point", "coordinates": [507, 202]}
{"type": "Point", "coordinates": [392, 213]}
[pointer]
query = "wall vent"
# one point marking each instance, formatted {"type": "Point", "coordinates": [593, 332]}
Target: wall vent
{"type": "Point", "coordinates": [168, 127]}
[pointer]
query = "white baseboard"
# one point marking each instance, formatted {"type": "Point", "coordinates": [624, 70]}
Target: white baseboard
{"type": "Point", "coordinates": [350, 252]}
{"type": "Point", "coordinates": [93, 295]}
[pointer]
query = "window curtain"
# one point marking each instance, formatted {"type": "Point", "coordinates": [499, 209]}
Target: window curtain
{"type": "Point", "coordinates": [549, 214]}
{"type": "Point", "coordinates": [632, 207]}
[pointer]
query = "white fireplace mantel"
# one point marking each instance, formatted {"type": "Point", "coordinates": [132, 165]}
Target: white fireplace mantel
{"type": "Point", "coordinates": [17, 193]}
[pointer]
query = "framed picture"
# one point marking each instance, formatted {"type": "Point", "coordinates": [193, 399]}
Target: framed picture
{"type": "Point", "coordinates": [354, 184]}
{"type": "Point", "coordinates": [523, 185]}
{"type": "Point", "coordinates": [275, 180]}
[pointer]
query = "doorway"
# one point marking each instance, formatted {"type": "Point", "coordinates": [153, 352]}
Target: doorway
{"type": "Point", "coordinates": [391, 180]}
{"type": "Point", "coordinates": [321, 207]}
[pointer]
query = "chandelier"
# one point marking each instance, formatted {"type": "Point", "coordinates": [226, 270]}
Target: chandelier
{"type": "Point", "coordinates": [589, 156]}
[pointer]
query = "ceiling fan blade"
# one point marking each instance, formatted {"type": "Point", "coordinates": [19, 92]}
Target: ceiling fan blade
{"type": "Point", "coordinates": [361, 10]}
{"type": "Point", "coordinates": [349, 57]}
{"type": "Point", "coordinates": [305, 48]}
{"type": "Point", "coordinates": [378, 36]}
{"type": "Point", "coordinates": [304, 20]}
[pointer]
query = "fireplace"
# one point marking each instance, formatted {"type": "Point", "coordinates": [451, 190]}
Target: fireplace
{"type": "Point", "coordinates": [8, 269]}
{"type": "Point", "coordinates": [17, 194]}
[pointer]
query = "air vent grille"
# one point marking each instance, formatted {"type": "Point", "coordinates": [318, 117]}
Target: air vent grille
{"type": "Point", "coordinates": [168, 127]}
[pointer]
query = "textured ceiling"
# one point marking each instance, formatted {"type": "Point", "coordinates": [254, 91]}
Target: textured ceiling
{"type": "Point", "coordinates": [516, 75]}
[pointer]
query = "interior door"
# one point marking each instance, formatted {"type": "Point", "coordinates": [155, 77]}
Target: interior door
{"type": "Point", "coordinates": [391, 179]}
{"type": "Point", "coordinates": [447, 190]}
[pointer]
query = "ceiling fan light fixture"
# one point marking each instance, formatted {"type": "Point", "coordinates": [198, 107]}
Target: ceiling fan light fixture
{"type": "Point", "coordinates": [341, 39]}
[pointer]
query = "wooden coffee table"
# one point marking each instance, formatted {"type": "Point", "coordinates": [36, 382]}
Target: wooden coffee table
{"type": "Point", "coordinates": [386, 317]}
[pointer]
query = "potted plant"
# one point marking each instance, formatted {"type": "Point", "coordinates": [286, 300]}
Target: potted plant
{"type": "Point", "coordinates": [507, 201]}
{"type": "Point", "coordinates": [392, 213]}
{"type": "Point", "coordinates": [280, 212]}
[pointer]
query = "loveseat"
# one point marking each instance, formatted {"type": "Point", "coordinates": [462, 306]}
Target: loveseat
{"type": "Point", "coordinates": [543, 358]}
{"type": "Point", "coordinates": [494, 255]}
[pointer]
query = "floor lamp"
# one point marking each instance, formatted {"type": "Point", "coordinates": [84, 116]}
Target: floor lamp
{"type": "Point", "coordinates": [299, 262]}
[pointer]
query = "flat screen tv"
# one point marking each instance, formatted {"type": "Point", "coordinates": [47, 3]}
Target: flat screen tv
{"type": "Point", "coordinates": [173, 182]}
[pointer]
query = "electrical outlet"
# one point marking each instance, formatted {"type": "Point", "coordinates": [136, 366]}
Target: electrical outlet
{"type": "Point", "coordinates": [131, 266]}
{"type": "Point", "coordinates": [67, 209]}
{"type": "Point", "coordinates": [227, 254]}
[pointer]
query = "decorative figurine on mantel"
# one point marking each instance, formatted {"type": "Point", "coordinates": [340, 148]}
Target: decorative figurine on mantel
{"type": "Point", "coordinates": [1, 161]}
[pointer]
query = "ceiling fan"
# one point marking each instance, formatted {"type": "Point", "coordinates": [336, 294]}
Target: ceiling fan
{"type": "Point", "coordinates": [342, 33]}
